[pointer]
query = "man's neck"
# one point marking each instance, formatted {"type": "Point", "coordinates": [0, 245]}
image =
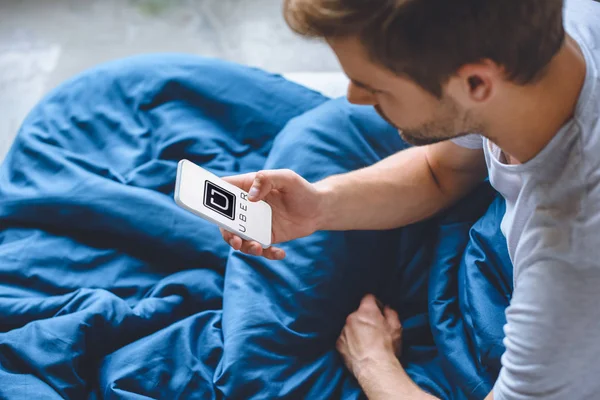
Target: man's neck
{"type": "Point", "coordinates": [524, 127]}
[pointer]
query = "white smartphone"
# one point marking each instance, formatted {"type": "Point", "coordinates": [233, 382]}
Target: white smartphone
{"type": "Point", "coordinates": [211, 198]}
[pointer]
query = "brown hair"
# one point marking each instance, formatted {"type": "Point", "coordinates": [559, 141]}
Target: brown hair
{"type": "Point", "coordinates": [429, 40]}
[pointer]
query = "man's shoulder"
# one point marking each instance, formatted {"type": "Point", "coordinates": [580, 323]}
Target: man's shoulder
{"type": "Point", "coordinates": [580, 10]}
{"type": "Point", "coordinates": [567, 203]}
{"type": "Point", "coordinates": [581, 20]}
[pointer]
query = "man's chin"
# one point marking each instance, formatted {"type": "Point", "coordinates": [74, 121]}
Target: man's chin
{"type": "Point", "coordinates": [418, 140]}
{"type": "Point", "coordinates": [382, 115]}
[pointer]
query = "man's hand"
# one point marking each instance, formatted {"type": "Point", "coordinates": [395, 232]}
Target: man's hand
{"type": "Point", "coordinates": [370, 344]}
{"type": "Point", "coordinates": [370, 338]}
{"type": "Point", "coordinates": [297, 208]}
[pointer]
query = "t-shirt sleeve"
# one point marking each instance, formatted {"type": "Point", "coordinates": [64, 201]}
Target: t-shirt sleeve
{"type": "Point", "coordinates": [472, 141]}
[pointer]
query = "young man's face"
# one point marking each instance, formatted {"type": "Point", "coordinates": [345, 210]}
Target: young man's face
{"type": "Point", "coordinates": [421, 117]}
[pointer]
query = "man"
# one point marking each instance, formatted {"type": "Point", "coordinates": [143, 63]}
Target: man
{"type": "Point", "coordinates": [508, 89]}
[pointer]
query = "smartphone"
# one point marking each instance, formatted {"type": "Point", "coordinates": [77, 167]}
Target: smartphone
{"type": "Point", "coordinates": [211, 198]}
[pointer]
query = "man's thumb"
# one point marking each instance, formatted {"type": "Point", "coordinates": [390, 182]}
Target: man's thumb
{"type": "Point", "coordinates": [265, 181]}
{"type": "Point", "coordinates": [244, 181]}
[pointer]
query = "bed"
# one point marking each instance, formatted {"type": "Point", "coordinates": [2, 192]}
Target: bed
{"type": "Point", "coordinates": [108, 290]}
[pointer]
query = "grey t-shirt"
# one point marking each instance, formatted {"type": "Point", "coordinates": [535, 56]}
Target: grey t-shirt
{"type": "Point", "coordinates": [552, 227]}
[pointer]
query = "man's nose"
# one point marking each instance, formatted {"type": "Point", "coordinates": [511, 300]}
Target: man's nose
{"type": "Point", "coordinates": [360, 96]}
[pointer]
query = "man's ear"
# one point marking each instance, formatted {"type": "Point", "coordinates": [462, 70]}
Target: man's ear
{"type": "Point", "coordinates": [475, 83]}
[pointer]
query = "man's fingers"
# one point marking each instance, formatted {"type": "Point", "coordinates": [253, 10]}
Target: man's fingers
{"type": "Point", "coordinates": [274, 253]}
{"type": "Point", "coordinates": [394, 324]}
{"type": "Point", "coordinates": [338, 343]}
{"type": "Point", "coordinates": [369, 304]}
{"type": "Point", "coordinates": [255, 249]}
{"type": "Point", "coordinates": [236, 242]}
{"type": "Point", "coordinates": [226, 235]}
{"type": "Point", "coordinates": [380, 304]}
{"type": "Point", "coordinates": [231, 239]}
{"type": "Point", "coordinates": [391, 317]}
{"type": "Point", "coordinates": [252, 248]}
{"type": "Point", "coordinates": [368, 301]}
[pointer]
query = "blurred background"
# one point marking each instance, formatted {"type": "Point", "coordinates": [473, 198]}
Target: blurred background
{"type": "Point", "coordinates": [44, 42]}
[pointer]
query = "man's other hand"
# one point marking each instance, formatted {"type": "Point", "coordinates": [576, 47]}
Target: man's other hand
{"type": "Point", "coordinates": [371, 337]}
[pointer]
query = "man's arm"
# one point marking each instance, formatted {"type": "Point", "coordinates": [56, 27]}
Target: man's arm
{"type": "Point", "coordinates": [369, 344]}
{"type": "Point", "coordinates": [393, 383]}
{"type": "Point", "coordinates": [405, 188]}
{"type": "Point", "coordinates": [390, 383]}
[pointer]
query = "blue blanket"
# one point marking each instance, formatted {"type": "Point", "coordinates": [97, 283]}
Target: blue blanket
{"type": "Point", "coordinates": [109, 290]}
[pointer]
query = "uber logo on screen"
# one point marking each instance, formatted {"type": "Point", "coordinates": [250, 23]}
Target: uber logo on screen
{"type": "Point", "coordinates": [219, 200]}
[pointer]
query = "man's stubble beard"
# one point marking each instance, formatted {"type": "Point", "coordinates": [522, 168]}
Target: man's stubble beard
{"type": "Point", "coordinates": [450, 124]}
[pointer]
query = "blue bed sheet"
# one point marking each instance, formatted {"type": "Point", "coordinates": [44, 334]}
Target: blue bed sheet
{"type": "Point", "coordinates": [109, 290]}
